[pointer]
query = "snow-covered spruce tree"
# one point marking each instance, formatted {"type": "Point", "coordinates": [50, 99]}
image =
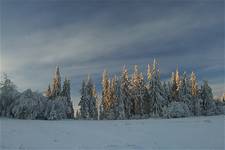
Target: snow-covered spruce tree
{"type": "Point", "coordinates": [56, 93]}
{"type": "Point", "coordinates": [166, 93]}
{"type": "Point", "coordinates": [30, 105]}
{"type": "Point", "coordinates": [119, 103]}
{"type": "Point", "coordinates": [185, 91]}
{"type": "Point", "coordinates": [125, 93]}
{"type": "Point", "coordinates": [98, 104]}
{"type": "Point", "coordinates": [84, 103]}
{"type": "Point", "coordinates": [66, 89]}
{"type": "Point", "coordinates": [175, 86]}
{"type": "Point", "coordinates": [111, 113]}
{"type": "Point", "coordinates": [8, 95]}
{"type": "Point", "coordinates": [66, 93]}
{"type": "Point", "coordinates": [195, 99]}
{"type": "Point", "coordinates": [88, 105]}
{"type": "Point", "coordinates": [56, 84]}
{"type": "Point", "coordinates": [106, 96]}
{"type": "Point", "coordinates": [208, 106]}
{"type": "Point", "coordinates": [138, 93]}
{"type": "Point", "coordinates": [155, 91]}
{"type": "Point", "coordinates": [92, 95]}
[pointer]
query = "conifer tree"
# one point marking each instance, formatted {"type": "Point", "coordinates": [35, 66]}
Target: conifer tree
{"type": "Point", "coordinates": [56, 85]}
{"type": "Point", "coordinates": [175, 81]}
{"type": "Point", "coordinates": [185, 90]}
{"type": "Point", "coordinates": [106, 95]}
{"type": "Point", "coordinates": [119, 103]}
{"type": "Point", "coordinates": [125, 93]}
{"type": "Point", "coordinates": [149, 72]}
{"type": "Point", "coordinates": [112, 109]}
{"type": "Point", "coordinates": [166, 93]}
{"type": "Point", "coordinates": [208, 104]}
{"type": "Point", "coordinates": [84, 103]}
{"type": "Point", "coordinates": [66, 89]}
{"type": "Point", "coordinates": [194, 84]}
{"type": "Point", "coordinates": [138, 92]}
{"type": "Point", "coordinates": [92, 98]}
{"type": "Point", "coordinates": [155, 92]}
{"type": "Point", "coordinates": [196, 101]}
{"type": "Point", "coordinates": [88, 104]}
{"type": "Point", "coordinates": [173, 91]}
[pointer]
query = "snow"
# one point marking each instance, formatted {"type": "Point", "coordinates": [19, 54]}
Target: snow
{"type": "Point", "coordinates": [194, 133]}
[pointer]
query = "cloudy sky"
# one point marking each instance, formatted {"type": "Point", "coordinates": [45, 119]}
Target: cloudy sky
{"type": "Point", "coordinates": [86, 37]}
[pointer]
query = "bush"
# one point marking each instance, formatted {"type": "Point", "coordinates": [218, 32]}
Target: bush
{"type": "Point", "coordinates": [30, 105]}
{"type": "Point", "coordinates": [176, 110]}
{"type": "Point", "coordinates": [59, 108]}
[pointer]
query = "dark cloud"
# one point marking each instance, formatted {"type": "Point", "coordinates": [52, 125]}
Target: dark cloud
{"type": "Point", "coordinates": [84, 37]}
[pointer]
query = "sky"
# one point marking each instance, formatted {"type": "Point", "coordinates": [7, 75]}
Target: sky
{"type": "Point", "coordinates": [86, 37]}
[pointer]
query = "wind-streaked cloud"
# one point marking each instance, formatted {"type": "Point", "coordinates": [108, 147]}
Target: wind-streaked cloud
{"type": "Point", "coordinates": [85, 38]}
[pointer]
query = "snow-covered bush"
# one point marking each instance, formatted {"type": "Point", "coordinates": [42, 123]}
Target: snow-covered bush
{"type": "Point", "coordinates": [176, 110]}
{"type": "Point", "coordinates": [8, 95]}
{"type": "Point", "coordinates": [59, 108]}
{"type": "Point", "coordinates": [30, 105]}
{"type": "Point", "coordinates": [220, 107]}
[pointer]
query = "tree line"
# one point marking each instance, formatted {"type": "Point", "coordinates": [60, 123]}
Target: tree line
{"type": "Point", "coordinates": [133, 97]}
{"type": "Point", "coordinates": [128, 96]}
{"type": "Point", "coordinates": [55, 104]}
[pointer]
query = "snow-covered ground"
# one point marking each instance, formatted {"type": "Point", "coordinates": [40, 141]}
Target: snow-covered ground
{"type": "Point", "coordinates": [198, 133]}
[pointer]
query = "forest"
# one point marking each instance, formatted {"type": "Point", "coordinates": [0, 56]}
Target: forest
{"type": "Point", "coordinates": [128, 96]}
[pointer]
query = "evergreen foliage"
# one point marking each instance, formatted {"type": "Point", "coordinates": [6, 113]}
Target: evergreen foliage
{"type": "Point", "coordinates": [123, 97]}
{"type": "Point", "coordinates": [88, 102]}
{"type": "Point", "coordinates": [134, 97]}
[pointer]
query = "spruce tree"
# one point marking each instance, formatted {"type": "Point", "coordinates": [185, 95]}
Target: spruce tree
{"type": "Point", "coordinates": [112, 112]}
{"type": "Point", "coordinates": [166, 92]}
{"type": "Point", "coordinates": [88, 104]}
{"type": "Point", "coordinates": [155, 92]}
{"type": "Point", "coordinates": [177, 79]}
{"type": "Point", "coordinates": [175, 82]}
{"type": "Point", "coordinates": [138, 92]}
{"type": "Point", "coordinates": [149, 72]}
{"type": "Point", "coordinates": [92, 98]}
{"type": "Point", "coordinates": [84, 103]}
{"type": "Point", "coordinates": [106, 95]}
{"type": "Point", "coordinates": [196, 101]}
{"type": "Point", "coordinates": [125, 93]}
{"type": "Point", "coordinates": [56, 85]}
{"type": "Point", "coordinates": [66, 89]}
{"type": "Point", "coordinates": [194, 84]}
{"type": "Point", "coordinates": [185, 91]}
{"type": "Point", "coordinates": [119, 103]}
{"type": "Point", "coordinates": [208, 104]}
